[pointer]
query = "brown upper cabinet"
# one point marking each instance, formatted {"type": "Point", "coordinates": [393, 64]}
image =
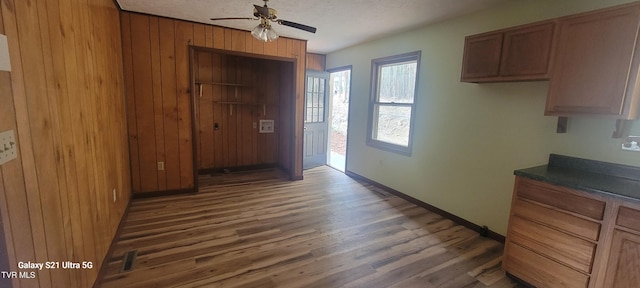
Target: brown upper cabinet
{"type": "Point", "coordinates": [515, 54]}
{"type": "Point", "coordinates": [595, 71]}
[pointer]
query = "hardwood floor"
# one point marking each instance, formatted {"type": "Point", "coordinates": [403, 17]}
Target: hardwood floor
{"type": "Point", "coordinates": [261, 230]}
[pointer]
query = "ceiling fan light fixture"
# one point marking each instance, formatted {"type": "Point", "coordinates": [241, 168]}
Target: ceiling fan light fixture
{"type": "Point", "coordinates": [259, 32]}
{"type": "Point", "coordinates": [271, 34]}
{"type": "Point", "coordinates": [264, 32]}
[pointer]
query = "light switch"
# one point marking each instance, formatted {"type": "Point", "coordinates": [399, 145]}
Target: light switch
{"type": "Point", "coordinates": [8, 146]}
{"type": "Point", "coordinates": [5, 64]}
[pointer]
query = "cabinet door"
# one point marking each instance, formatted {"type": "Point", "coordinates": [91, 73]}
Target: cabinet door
{"type": "Point", "coordinates": [624, 261]}
{"type": "Point", "coordinates": [526, 51]}
{"type": "Point", "coordinates": [594, 64]}
{"type": "Point", "coordinates": [481, 56]}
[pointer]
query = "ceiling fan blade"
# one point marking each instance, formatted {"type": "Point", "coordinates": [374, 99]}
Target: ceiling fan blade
{"type": "Point", "coordinates": [233, 18]}
{"type": "Point", "coordinates": [262, 11]}
{"type": "Point", "coordinates": [297, 25]}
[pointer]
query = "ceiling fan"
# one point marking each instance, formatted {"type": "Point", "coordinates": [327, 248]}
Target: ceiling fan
{"type": "Point", "coordinates": [267, 15]}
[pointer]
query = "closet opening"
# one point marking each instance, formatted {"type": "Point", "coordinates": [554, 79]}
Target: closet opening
{"type": "Point", "coordinates": [243, 114]}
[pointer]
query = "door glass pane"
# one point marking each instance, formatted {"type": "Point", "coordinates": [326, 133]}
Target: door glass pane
{"type": "Point", "coordinates": [307, 115]}
{"type": "Point", "coordinates": [315, 100]}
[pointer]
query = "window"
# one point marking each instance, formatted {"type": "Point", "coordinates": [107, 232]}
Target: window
{"type": "Point", "coordinates": [393, 97]}
{"type": "Point", "coordinates": [315, 99]}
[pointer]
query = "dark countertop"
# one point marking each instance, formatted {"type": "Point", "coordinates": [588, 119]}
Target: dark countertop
{"type": "Point", "coordinates": [587, 175]}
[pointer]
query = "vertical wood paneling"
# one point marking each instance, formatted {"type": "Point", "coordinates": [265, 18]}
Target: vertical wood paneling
{"type": "Point", "coordinates": [8, 192]}
{"type": "Point", "coordinates": [175, 36]}
{"type": "Point", "coordinates": [199, 35]}
{"type": "Point", "coordinates": [271, 48]}
{"type": "Point", "coordinates": [89, 117]}
{"type": "Point", "coordinates": [184, 36]}
{"type": "Point", "coordinates": [218, 37]}
{"type": "Point", "coordinates": [238, 40]}
{"type": "Point", "coordinates": [77, 75]}
{"type": "Point", "coordinates": [158, 109]}
{"type": "Point", "coordinates": [232, 115]}
{"type": "Point", "coordinates": [170, 102]}
{"type": "Point", "coordinates": [58, 107]}
{"type": "Point", "coordinates": [35, 219]}
{"type": "Point", "coordinates": [218, 111]}
{"type": "Point", "coordinates": [245, 135]}
{"type": "Point", "coordinates": [143, 89]}
{"type": "Point", "coordinates": [224, 115]}
{"type": "Point", "coordinates": [13, 202]}
{"type": "Point", "coordinates": [316, 62]}
{"type": "Point", "coordinates": [205, 113]}
{"type": "Point", "coordinates": [66, 161]}
{"type": "Point", "coordinates": [208, 42]}
{"type": "Point", "coordinates": [40, 124]}
{"type": "Point", "coordinates": [286, 138]}
{"type": "Point", "coordinates": [131, 103]}
{"type": "Point", "coordinates": [261, 93]}
{"type": "Point", "coordinates": [67, 90]}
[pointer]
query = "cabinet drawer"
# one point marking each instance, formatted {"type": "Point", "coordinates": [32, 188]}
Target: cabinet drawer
{"type": "Point", "coordinates": [570, 250]}
{"type": "Point", "coordinates": [560, 197]}
{"type": "Point", "coordinates": [563, 221]}
{"type": "Point", "coordinates": [628, 218]}
{"type": "Point", "coordinates": [541, 271]}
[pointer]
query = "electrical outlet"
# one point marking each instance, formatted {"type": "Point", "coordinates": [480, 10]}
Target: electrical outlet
{"type": "Point", "coordinates": [631, 143]}
{"type": "Point", "coordinates": [160, 166]}
{"type": "Point", "coordinates": [115, 197]}
{"type": "Point", "coordinates": [266, 126]}
{"type": "Point", "coordinates": [8, 147]}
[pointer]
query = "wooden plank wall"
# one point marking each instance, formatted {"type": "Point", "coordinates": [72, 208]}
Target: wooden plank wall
{"type": "Point", "coordinates": [316, 62]}
{"type": "Point", "coordinates": [65, 100]}
{"type": "Point", "coordinates": [228, 134]}
{"type": "Point", "coordinates": [157, 80]}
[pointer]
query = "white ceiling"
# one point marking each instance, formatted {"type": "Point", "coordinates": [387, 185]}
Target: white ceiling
{"type": "Point", "coordinates": [340, 23]}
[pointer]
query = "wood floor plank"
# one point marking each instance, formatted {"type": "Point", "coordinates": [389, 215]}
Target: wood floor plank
{"type": "Point", "coordinates": [258, 229]}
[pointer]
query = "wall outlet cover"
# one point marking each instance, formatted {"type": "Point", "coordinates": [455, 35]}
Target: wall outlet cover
{"type": "Point", "coordinates": [631, 143]}
{"type": "Point", "coordinates": [8, 146]}
{"type": "Point", "coordinates": [266, 126]}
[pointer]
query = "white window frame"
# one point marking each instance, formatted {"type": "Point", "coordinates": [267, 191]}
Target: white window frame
{"type": "Point", "coordinates": [374, 103]}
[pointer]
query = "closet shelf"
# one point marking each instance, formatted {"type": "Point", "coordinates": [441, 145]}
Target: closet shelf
{"type": "Point", "coordinates": [222, 84]}
{"type": "Point", "coordinates": [235, 85]}
{"type": "Point", "coordinates": [241, 103]}
{"type": "Point", "coordinates": [232, 103]}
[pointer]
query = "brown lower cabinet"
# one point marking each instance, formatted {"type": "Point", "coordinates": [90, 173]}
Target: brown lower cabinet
{"type": "Point", "coordinates": [623, 269]}
{"type": "Point", "coordinates": [561, 237]}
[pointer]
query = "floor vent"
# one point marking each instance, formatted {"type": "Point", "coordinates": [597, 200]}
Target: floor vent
{"type": "Point", "coordinates": [129, 259]}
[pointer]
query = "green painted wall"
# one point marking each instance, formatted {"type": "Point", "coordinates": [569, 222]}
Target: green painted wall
{"type": "Point", "coordinates": [470, 137]}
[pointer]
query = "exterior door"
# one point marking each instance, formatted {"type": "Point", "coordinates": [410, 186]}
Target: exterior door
{"type": "Point", "coordinates": [315, 120]}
